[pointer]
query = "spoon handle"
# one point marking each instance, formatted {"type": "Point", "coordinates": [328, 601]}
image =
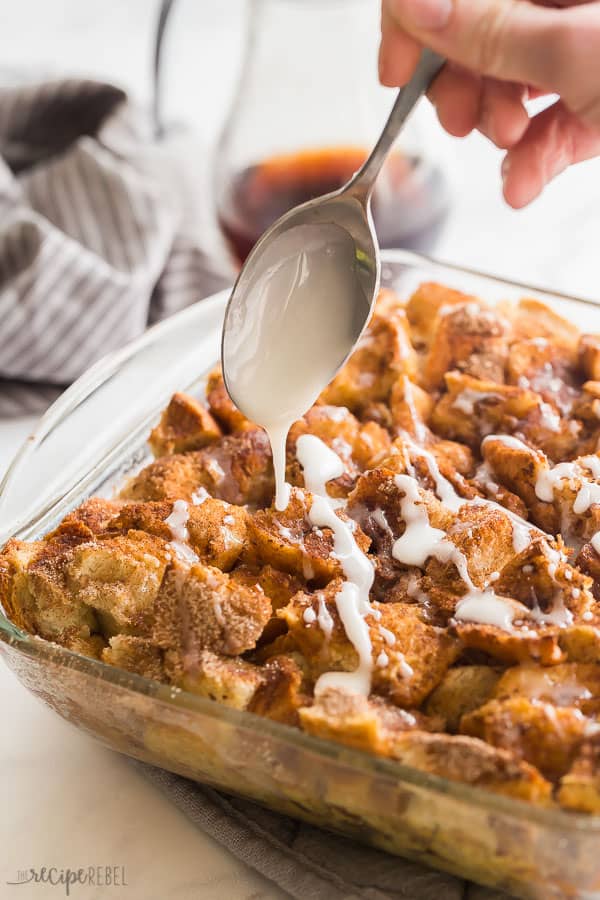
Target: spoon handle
{"type": "Point", "coordinates": [428, 67]}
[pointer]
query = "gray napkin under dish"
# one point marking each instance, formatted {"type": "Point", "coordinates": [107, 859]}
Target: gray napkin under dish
{"type": "Point", "coordinates": [303, 861]}
{"type": "Point", "coordinates": [96, 238]}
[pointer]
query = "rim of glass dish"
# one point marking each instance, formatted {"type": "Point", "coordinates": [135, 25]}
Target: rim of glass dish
{"type": "Point", "coordinates": [35, 647]}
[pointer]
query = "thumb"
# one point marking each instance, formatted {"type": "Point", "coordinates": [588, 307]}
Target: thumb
{"type": "Point", "coordinates": [512, 40]}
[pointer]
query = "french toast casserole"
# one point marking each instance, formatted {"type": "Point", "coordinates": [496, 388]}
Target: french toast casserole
{"type": "Point", "coordinates": [472, 429]}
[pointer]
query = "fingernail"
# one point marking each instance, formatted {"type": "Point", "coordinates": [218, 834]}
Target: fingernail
{"type": "Point", "coordinates": [425, 14]}
{"type": "Point", "coordinates": [505, 169]}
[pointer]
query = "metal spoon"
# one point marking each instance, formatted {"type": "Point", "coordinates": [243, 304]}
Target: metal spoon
{"type": "Point", "coordinates": [349, 208]}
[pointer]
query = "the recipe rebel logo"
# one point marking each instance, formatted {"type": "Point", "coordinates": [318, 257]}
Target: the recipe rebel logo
{"type": "Point", "coordinates": [67, 878]}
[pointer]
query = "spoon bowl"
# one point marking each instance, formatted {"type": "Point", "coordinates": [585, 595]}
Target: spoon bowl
{"type": "Point", "coordinates": [343, 209]}
{"type": "Point", "coordinates": [306, 291]}
{"type": "Point", "coordinates": [349, 210]}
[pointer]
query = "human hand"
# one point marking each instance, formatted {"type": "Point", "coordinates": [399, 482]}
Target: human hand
{"type": "Point", "coordinates": [501, 53]}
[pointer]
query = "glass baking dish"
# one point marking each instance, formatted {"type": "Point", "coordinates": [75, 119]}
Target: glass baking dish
{"type": "Point", "coordinates": [85, 444]}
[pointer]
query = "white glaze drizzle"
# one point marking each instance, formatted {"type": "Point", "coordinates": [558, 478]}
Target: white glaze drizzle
{"type": "Point", "coordinates": [420, 541]}
{"type": "Point", "coordinates": [388, 636]}
{"type": "Point", "coordinates": [443, 488]}
{"type": "Point", "coordinates": [405, 669]}
{"type": "Point", "coordinates": [177, 522]}
{"type": "Point", "coordinates": [486, 608]}
{"type": "Point", "coordinates": [200, 495]}
{"type": "Point", "coordinates": [278, 439]}
{"type": "Point", "coordinates": [446, 492]}
{"type": "Point", "coordinates": [588, 492]}
{"type": "Point", "coordinates": [465, 401]}
{"type": "Point", "coordinates": [409, 399]}
{"type": "Point", "coordinates": [324, 618]}
{"type": "Point", "coordinates": [508, 440]}
{"type": "Point", "coordinates": [320, 464]}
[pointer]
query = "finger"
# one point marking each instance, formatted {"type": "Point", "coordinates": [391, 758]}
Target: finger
{"type": "Point", "coordinates": [507, 39]}
{"type": "Point", "coordinates": [456, 95]}
{"type": "Point", "coordinates": [555, 139]}
{"type": "Point", "coordinates": [503, 117]}
{"type": "Point", "coordinates": [398, 52]}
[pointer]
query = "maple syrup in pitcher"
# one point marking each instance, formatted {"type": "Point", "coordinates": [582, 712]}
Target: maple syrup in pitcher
{"type": "Point", "coordinates": [408, 202]}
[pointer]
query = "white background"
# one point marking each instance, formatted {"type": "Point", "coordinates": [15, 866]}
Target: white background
{"type": "Point", "coordinates": [64, 800]}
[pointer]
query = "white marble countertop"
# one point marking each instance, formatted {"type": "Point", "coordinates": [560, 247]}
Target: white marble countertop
{"type": "Point", "coordinates": [66, 801]}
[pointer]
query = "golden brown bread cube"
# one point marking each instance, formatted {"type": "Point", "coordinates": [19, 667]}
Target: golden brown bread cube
{"type": "Point", "coordinates": [468, 337]}
{"type": "Point", "coordinates": [517, 466]}
{"type": "Point", "coordinates": [356, 443]}
{"type": "Point", "coordinates": [286, 540]}
{"type": "Point", "coordinates": [579, 789]}
{"type": "Point", "coordinates": [15, 594]}
{"type": "Point", "coordinates": [184, 425]}
{"type": "Point", "coordinates": [524, 470]}
{"type": "Point", "coordinates": [35, 590]}
{"type": "Point", "coordinates": [526, 641]}
{"type": "Point", "coordinates": [410, 408]}
{"type": "Point", "coordinates": [549, 370]}
{"type": "Point", "coordinates": [282, 691]}
{"type": "Point", "coordinates": [202, 608]}
{"type": "Point", "coordinates": [339, 429]}
{"type": "Point", "coordinates": [119, 577]}
{"type": "Point", "coordinates": [588, 562]}
{"type": "Point", "coordinates": [93, 646]}
{"type": "Point", "coordinates": [216, 530]}
{"type": "Point", "coordinates": [226, 679]}
{"type": "Point", "coordinates": [378, 489]}
{"type": "Point", "coordinates": [463, 689]}
{"type": "Point", "coordinates": [413, 655]}
{"type": "Point", "coordinates": [585, 416]}
{"type": "Point", "coordinates": [237, 469]}
{"type": "Point", "coordinates": [426, 463]}
{"type": "Point", "coordinates": [279, 586]}
{"type": "Point", "coordinates": [484, 537]}
{"type": "Point", "coordinates": [375, 504]}
{"type": "Point", "coordinates": [174, 477]}
{"type": "Point", "coordinates": [533, 319]}
{"type": "Point", "coordinates": [541, 579]}
{"type": "Point", "coordinates": [383, 352]}
{"type": "Point", "coordinates": [473, 408]}
{"type": "Point", "coordinates": [544, 735]}
{"type": "Point", "coordinates": [135, 654]}
{"type": "Point", "coordinates": [222, 406]}
{"type": "Point", "coordinates": [426, 303]}
{"type": "Point", "coordinates": [589, 356]}
{"type": "Point", "coordinates": [470, 760]}
{"type": "Point", "coordinates": [370, 724]}
{"type": "Point", "coordinates": [567, 684]}
{"type": "Point", "coordinates": [580, 642]}
{"type": "Point", "coordinates": [96, 513]}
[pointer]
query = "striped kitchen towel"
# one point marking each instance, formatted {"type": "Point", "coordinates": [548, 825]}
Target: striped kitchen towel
{"type": "Point", "coordinates": [96, 238]}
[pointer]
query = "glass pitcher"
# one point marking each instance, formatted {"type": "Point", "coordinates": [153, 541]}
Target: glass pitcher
{"type": "Point", "coordinates": [307, 110]}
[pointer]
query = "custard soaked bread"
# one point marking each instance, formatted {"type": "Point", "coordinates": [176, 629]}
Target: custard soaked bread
{"type": "Point", "coordinates": [433, 597]}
